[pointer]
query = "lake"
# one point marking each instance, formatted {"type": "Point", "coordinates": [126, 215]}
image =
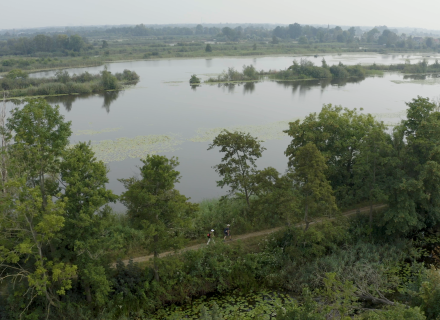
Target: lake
{"type": "Point", "coordinates": [163, 114]}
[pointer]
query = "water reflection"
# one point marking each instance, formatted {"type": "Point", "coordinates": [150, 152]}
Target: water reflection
{"type": "Point", "coordinates": [248, 87]}
{"type": "Point", "coordinates": [68, 100]}
{"type": "Point", "coordinates": [420, 76]}
{"type": "Point", "coordinates": [109, 97]}
{"type": "Point", "coordinates": [304, 85]}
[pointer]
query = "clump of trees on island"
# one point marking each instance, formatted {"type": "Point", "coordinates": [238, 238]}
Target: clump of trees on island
{"type": "Point", "coordinates": [19, 84]}
{"type": "Point", "coordinates": [306, 69]}
{"type": "Point", "coordinates": [59, 239]}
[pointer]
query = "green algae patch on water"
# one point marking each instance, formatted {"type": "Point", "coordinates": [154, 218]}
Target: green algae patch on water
{"type": "Point", "coordinates": [431, 81]}
{"type": "Point", "coordinates": [137, 147]}
{"type": "Point", "coordinates": [270, 131]}
{"type": "Point", "coordinates": [235, 305]}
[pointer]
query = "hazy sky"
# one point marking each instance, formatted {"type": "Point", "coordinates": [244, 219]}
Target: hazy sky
{"type": "Point", "coordinates": [393, 13]}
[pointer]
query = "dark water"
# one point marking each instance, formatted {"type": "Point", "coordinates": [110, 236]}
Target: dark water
{"type": "Point", "coordinates": [163, 103]}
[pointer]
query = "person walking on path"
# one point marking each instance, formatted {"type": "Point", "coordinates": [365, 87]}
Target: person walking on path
{"type": "Point", "coordinates": [227, 232]}
{"type": "Point", "coordinates": [211, 236]}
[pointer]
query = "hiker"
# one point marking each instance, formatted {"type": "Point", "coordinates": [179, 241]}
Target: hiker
{"type": "Point", "coordinates": [211, 236]}
{"type": "Point", "coordinates": [227, 232]}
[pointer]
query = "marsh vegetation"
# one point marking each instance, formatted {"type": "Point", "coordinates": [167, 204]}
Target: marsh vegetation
{"type": "Point", "coordinates": [19, 84]}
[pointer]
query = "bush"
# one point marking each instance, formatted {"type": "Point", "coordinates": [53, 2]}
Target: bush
{"type": "Point", "coordinates": [194, 80]}
{"type": "Point", "coordinates": [339, 72]}
{"type": "Point", "coordinates": [397, 312]}
{"type": "Point", "coordinates": [109, 81]}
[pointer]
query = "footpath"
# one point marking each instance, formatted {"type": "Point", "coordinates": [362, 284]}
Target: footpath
{"type": "Point", "coordinates": [247, 235]}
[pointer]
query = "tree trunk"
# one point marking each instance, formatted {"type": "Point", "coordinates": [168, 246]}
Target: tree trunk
{"type": "Point", "coordinates": [306, 215]}
{"type": "Point", "coordinates": [156, 256]}
{"type": "Point", "coordinates": [4, 170]}
{"type": "Point", "coordinates": [371, 190]}
{"type": "Point", "coordinates": [43, 193]}
{"type": "Point", "coordinates": [88, 292]}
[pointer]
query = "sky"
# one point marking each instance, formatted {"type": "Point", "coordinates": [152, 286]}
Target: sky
{"type": "Point", "coordinates": [393, 13]}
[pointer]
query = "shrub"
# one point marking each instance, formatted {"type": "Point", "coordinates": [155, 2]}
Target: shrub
{"type": "Point", "coordinates": [397, 312]}
{"type": "Point", "coordinates": [194, 80]}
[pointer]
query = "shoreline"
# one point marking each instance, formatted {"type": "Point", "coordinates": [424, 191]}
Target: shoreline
{"type": "Point", "coordinates": [312, 54]}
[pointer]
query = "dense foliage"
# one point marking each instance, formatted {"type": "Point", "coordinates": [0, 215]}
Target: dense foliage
{"type": "Point", "coordinates": [59, 239]}
{"type": "Point", "coordinates": [18, 84]}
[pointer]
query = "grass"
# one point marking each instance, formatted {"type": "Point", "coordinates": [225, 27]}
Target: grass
{"type": "Point", "coordinates": [144, 49]}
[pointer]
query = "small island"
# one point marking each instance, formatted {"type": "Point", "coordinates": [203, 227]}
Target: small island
{"type": "Point", "coordinates": [307, 70]}
{"type": "Point", "coordinates": [20, 85]}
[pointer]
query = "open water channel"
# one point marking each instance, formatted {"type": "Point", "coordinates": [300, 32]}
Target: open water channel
{"type": "Point", "coordinates": [163, 114]}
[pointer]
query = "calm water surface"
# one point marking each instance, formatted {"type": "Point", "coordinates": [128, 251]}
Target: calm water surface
{"type": "Point", "coordinates": [163, 103]}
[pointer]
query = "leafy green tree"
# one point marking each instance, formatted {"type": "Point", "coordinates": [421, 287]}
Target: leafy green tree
{"type": "Point", "coordinates": [104, 44]}
{"type": "Point", "coordinates": [208, 48]}
{"type": "Point", "coordinates": [303, 40]}
{"type": "Point", "coordinates": [109, 81]}
{"type": "Point", "coordinates": [41, 135]}
{"type": "Point", "coordinates": [414, 193]}
{"type": "Point", "coordinates": [154, 205]}
{"type": "Point", "coordinates": [275, 40]}
{"type": "Point", "coordinates": [16, 74]}
{"type": "Point", "coordinates": [371, 168]}
{"type": "Point", "coordinates": [316, 195]}
{"type": "Point", "coordinates": [275, 197]}
{"type": "Point", "coordinates": [85, 237]}
{"type": "Point", "coordinates": [76, 43]}
{"type": "Point", "coordinates": [338, 134]}
{"type": "Point", "coordinates": [240, 150]}
{"type": "Point", "coordinates": [254, 47]}
{"type": "Point", "coordinates": [295, 30]}
{"type": "Point", "coordinates": [27, 226]}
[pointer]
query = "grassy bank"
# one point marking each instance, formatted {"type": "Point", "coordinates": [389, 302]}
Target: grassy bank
{"type": "Point", "coordinates": [143, 49]}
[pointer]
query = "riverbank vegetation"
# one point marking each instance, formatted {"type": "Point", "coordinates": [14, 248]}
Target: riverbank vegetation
{"type": "Point", "coordinates": [83, 47]}
{"type": "Point", "coordinates": [60, 240]}
{"type": "Point", "coordinates": [19, 84]}
{"type": "Point", "coordinates": [307, 70]}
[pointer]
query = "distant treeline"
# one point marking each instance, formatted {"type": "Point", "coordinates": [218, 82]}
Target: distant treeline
{"type": "Point", "coordinates": [41, 43]}
{"type": "Point", "coordinates": [378, 35]}
{"type": "Point", "coordinates": [19, 84]}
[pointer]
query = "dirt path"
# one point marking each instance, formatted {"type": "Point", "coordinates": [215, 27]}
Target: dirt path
{"type": "Point", "coordinates": [246, 235]}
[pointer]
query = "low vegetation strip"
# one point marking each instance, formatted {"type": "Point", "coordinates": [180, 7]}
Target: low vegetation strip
{"type": "Point", "coordinates": [306, 70]}
{"type": "Point", "coordinates": [246, 236]}
{"type": "Point", "coordinates": [19, 84]}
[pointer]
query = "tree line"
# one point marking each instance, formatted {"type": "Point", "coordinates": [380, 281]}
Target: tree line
{"type": "Point", "coordinates": [43, 43]}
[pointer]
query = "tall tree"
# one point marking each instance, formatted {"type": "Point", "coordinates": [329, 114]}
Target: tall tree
{"type": "Point", "coordinates": [26, 227]}
{"type": "Point", "coordinates": [85, 237]}
{"type": "Point", "coordinates": [275, 196]}
{"type": "Point", "coordinates": [155, 206]}
{"type": "Point", "coordinates": [337, 133]}
{"type": "Point", "coordinates": [414, 193]}
{"type": "Point", "coordinates": [371, 168]}
{"type": "Point", "coordinates": [41, 134]}
{"type": "Point", "coordinates": [241, 151]}
{"type": "Point", "coordinates": [316, 195]}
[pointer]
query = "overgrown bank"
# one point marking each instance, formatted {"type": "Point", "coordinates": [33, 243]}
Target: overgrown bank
{"type": "Point", "coordinates": [306, 70]}
{"type": "Point", "coordinates": [19, 84]}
